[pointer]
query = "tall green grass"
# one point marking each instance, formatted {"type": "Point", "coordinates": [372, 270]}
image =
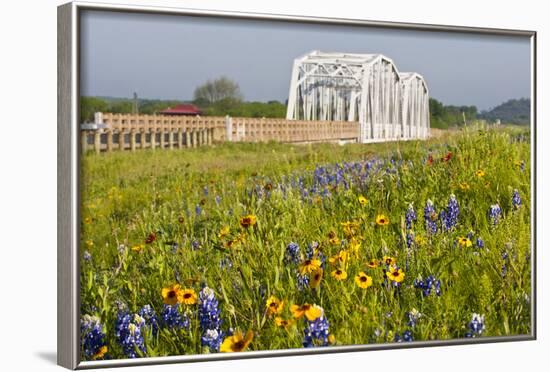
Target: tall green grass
{"type": "Point", "coordinates": [127, 196]}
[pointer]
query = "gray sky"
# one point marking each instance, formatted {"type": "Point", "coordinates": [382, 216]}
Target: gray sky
{"type": "Point", "coordinates": [167, 57]}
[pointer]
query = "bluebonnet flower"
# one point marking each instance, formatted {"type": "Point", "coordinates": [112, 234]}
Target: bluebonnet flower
{"type": "Point", "coordinates": [413, 316]}
{"type": "Point", "coordinates": [476, 325]}
{"type": "Point", "coordinates": [495, 213]}
{"type": "Point", "coordinates": [449, 217]}
{"type": "Point", "coordinates": [317, 332]}
{"type": "Point", "coordinates": [148, 313]}
{"type": "Point", "coordinates": [92, 338]}
{"type": "Point", "coordinates": [218, 199]}
{"type": "Point", "coordinates": [198, 210]}
{"type": "Point", "coordinates": [210, 321]}
{"type": "Point", "coordinates": [205, 190]}
{"type": "Point", "coordinates": [86, 256]}
{"type": "Point", "coordinates": [195, 245]}
{"type": "Point", "coordinates": [407, 337]}
{"type": "Point", "coordinates": [173, 318]}
{"type": "Point", "coordinates": [128, 331]}
{"type": "Point", "coordinates": [302, 281]}
{"type": "Point", "coordinates": [516, 199]}
{"type": "Point", "coordinates": [427, 285]}
{"type": "Point", "coordinates": [410, 217]}
{"type": "Point", "coordinates": [212, 339]}
{"type": "Point", "coordinates": [480, 243]}
{"type": "Point", "coordinates": [226, 263]}
{"type": "Point", "coordinates": [430, 217]}
{"type": "Point", "coordinates": [409, 239]}
{"type": "Point", "coordinates": [292, 254]}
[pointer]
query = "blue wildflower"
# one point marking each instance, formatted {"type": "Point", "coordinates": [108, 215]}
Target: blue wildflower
{"type": "Point", "coordinates": [226, 263]}
{"type": "Point", "coordinates": [516, 199]}
{"type": "Point", "coordinates": [292, 254]}
{"type": "Point", "coordinates": [413, 316]}
{"type": "Point", "coordinates": [430, 217]}
{"type": "Point", "coordinates": [129, 334]}
{"type": "Point", "coordinates": [428, 285]}
{"type": "Point", "coordinates": [317, 332]}
{"type": "Point", "coordinates": [495, 213]}
{"type": "Point", "coordinates": [476, 325]}
{"type": "Point", "coordinates": [480, 243]}
{"type": "Point", "coordinates": [449, 217]}
{"type": "Point", "coordinates": [407, 337]}
{"type": "Point", "coordinates": [92, 338]}
{"type": "Point", "coordinates": [302, 281]}
{"type": "Point", "coordinates": [195, 245]}
{"type": "Point", "coordinates": [210, 321]}
{"type": "Point", "coordinates": [173, 318]}
{"type": "Point", "coordinates": [86, 256]}
{"type": "Point", "coordinates": [410, 217]}
{"type": "Point", "coordinates": [218, 199]}
{"type": "Point", "coordinates": [198, 210]}
{"type": "Point", "coordinates": [148, 313]}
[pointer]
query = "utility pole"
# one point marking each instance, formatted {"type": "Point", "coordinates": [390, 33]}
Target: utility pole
{"type": "Point", "coordinates": [135, 107]}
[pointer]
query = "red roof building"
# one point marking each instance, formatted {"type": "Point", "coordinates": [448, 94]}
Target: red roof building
{"type": "Point", "coordinates": [183, 109]}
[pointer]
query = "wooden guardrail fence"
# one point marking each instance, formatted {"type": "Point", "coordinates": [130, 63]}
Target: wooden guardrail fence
{"type": "Point", "coordinates": [132, 132]}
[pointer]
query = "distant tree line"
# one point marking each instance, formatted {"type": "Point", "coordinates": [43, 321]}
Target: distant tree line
{"type": "Point", "coordinates": [445, 116]}
{"type": "Point", "coordinates": [223, 96]}
{"type": "Point", "coordinates": [514, 111]}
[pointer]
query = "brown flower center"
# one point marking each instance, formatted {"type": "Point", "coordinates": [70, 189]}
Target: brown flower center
{"type": "Point", "coordinates": [363, 278]}
{"type": "Point", "coordinates": [239, 345]}
{"type": "Point", "coordinates": [338, 272]}
{"type": "Point", "coordinates": [187, 295]}
{"type": "Point", "coordinates": [172, 294]}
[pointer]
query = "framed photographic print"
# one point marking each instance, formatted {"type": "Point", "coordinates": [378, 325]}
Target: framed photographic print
{"type": "Point", "coordinates": [235, 185]}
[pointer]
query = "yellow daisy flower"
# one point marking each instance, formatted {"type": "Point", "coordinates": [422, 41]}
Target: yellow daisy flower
{"type": "Point", "coordinates": [187, 297]}
{"type": "Point", "coordinates": [480, 173]}
{"type": "Point", "coordinates": [309, 266]}
{"type": "Point", "coordinates": [362, 200]}
{"type": "Point", "coordinates": [283, 323]}
{"type": "Point", "coordinates": [395, 274]}
{"type": "Point", "coordinates": [339, 259]}
{"type": "Point", "coordinates": [373, 263]}
{"type": "Point", "coordinates": [248, 221]}
{"type": "Point", "coordinates": [236, 343]}
{"type": "Point", "coordinates": [315, 278]}
{"type": "Point", "coordinates": [363, 280]}
{"type": "Point", "coordinates": [311, 312]}
{"type": "Point", "coordinates": [339, 274]}
{"type": "Point", "coordinates": [274, 305]}
{"type": "Point", "coordinates": [464, 242]}
{"type": "Point", "coordinates": [171, 294]}
{"type": "Point", "coordinates": [382, 220]}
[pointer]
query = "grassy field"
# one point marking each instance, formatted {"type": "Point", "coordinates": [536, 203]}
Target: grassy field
{"type": "Point", "coordinates": [242, 247]}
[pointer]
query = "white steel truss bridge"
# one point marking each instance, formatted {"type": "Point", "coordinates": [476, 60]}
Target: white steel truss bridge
{"type": "Point", "coordinates": [367, 88]}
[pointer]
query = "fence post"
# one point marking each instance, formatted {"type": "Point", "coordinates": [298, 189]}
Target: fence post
{"type": "Point", "coordinates": [162, 138]}
{"type": "Point", "coordinates": [194, 137]}
{"type": "Point", "coordinates": [121, 140]}
{"type": "Point", "coordinates": [84, 141]}
{"type": "Point", "coordinates": [180, 137]}
{"type": "Point", "coordinates": [109, 140]}
{"type": "Point", "coordinates": [171, 139]}
{"type": "Point", "coordinates": [187, 138]}
{"type": "Point", "coordinates": [97, 141]}
{"type": "Point", "coordinates": [210, 136]}
{"type": "Point", "coordinates": [153, 138]}
{"type": "Point", "coordinates": [132, 139]}
{"type": "Point", "coordinates": [229, 128]}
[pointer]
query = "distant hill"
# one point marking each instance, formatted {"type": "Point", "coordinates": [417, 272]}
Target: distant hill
{"type": "Point", "coordinates": [514, 111]}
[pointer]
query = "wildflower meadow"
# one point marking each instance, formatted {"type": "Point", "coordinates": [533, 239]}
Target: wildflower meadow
{"type": "Point", "coordinates": [241, 247]}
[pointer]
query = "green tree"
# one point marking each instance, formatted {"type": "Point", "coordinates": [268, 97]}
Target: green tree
{"type": "Point", "coordinates": [217, 90]}
{"type": "Point", "coordinates": [89, 106]}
